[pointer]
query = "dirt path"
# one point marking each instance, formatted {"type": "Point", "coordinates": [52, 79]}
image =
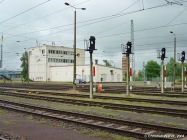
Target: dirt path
{"type": "Point", "coordinates": [20, 127]}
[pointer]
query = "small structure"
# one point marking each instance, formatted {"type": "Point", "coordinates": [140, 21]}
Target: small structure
{"type": "Point", "coordinates": [9, 74]}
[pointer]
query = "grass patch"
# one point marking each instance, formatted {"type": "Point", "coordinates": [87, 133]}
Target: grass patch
{"type": "Point", "coordinates": [101, 134]}
{"type": "Point", "coordinates": [85, 131]}
{"type": "Point", "coordinates": [2, 112]}
{"type": "Point", "coordinates": [151, 121]}
{"type": "Point", "coordinates": [9, 122]}
{"type": "Point", "coordinates": [41, 121]}
{"type": "Point", "coordinates": [121, 138]}
{"type": "Point", "coordinates": [176, 124]}
{"type": "Point", "coordinates": [29, 117]}
{"type": "Point", "coordinates": [157, 115]}
{"type": "Point", "coordinates": [109, 136]}
{"type": "Point", "coordinates": [108, 114]}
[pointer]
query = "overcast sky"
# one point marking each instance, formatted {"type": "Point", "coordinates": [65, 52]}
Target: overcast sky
{"type": "Point", "coordinates": [23, 22]}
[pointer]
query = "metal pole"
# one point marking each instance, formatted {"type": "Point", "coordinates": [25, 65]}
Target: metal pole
{"type": "Point", "coordinates": [165, 77]}
{"type": "Point", "coordinates": [91, 76]}
{"type": "Point", "coordinates": [127, 70]}
{"type": "Point", "coordinates": [46, 66]}
{"type": "Point", "coordinates": [174, 72]}
{"type": "Point", "coordinates": [182, 77]}
{"type": "Point", "coordinates": [185, 76]}
{"type": "Point", "coordinates": [162, 77]}
{"type": "Point", "coordinates": [74, 71]}
{"type": "Point", "coordinates": [28, 66]}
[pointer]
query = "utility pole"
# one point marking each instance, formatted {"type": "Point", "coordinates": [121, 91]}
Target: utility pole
{"type": "Point", "coordinates": [1, 64]}
{"type": "Point", "coordinates": [144, 77]}
{"type": "Point", "coordinates": [174, 71]}
{"type": "Point", "coordinates": [74, 68]}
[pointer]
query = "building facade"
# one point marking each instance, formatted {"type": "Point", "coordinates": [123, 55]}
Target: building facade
{"type": "Point", "coordinates": [55, 63]}
{"type": "Point", "coordinates": [41, 58]}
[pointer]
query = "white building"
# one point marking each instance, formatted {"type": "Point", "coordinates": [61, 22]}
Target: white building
{"type": "Point", "coordinates": [102, 73]}
{"type": "Point", "coordinates": [55, 63]}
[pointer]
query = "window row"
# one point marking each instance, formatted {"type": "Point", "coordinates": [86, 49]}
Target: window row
{"type": "Point", "coordinates": [60, 52]}
{"type": "Point", "coordinates": [60, 60]}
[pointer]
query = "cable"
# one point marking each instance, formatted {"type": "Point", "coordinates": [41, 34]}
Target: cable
{"type": "Point", "coordinates": [45, 17]}
{"type": "Point", "coordinates": [1, 1]}
{"type": "Point", "coordinates": [99, 20]}
{"type": "Point", "coordinates": [24, 12]}
{"type": "Point", "coordinates": [127, 7]}
{"type": "Point", "coordinates": [176, 17]}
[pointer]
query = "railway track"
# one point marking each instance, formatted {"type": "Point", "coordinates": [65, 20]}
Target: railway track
{"type": "Point", "coordinates": [142, 109]}
{"type": "Point", "coordinates": [85, 88]}
{"type": "Point", "coordinates": [123, 127]}
{"type": "Point", "coordinates": [181, 103]}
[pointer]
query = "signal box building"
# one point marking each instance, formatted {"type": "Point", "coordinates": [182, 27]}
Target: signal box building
{"type": "Point", "coordinates": [56, 63]}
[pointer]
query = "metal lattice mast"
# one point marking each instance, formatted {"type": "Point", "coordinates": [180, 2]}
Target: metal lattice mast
{"type": "Point", "coordinates": [133, 51]}
{"type": "Point", "coordinates": [1, 64]}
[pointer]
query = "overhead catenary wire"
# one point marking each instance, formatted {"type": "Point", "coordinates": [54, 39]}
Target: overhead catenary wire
{"type": "Point", "coordinates": [127, 7]}
{"type": "Point", "coordinates": [176, 16]}
{"type": "Point", "coordinates": [45, 17]}
{"type": "Point", "coordinates": [1, 1]}
{"type": "Point", "coordinates": [24, 11]}
{"type": "Point", "coordinates": [96, 20]}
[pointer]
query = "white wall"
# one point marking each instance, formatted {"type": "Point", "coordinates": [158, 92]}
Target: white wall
{"type": "Point", "coordinates": [65, 73]}
{"type": "Point", "coordinates": [39, 67]}
{"type": "Point", "coordinates": [105, 73]}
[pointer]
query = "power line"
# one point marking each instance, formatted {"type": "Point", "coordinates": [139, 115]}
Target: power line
{"type": "Point", "coordinates": [127, 7]}
{"type": "Point", "coordinates": [98, 20]}
{"type": "Point", "coordinates": [176, 17]}
{"type": "Point", "coordinates": [44, 17]}
{"type": "Point", "coordinates": [1, 1]}
{"type": "Point", "coordinates": [24, 11]}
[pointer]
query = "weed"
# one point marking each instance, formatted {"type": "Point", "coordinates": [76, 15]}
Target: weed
{"type": "Point", "coordinates": [2, 112]}
{"type": "Point", "coordinates": [9, 122]}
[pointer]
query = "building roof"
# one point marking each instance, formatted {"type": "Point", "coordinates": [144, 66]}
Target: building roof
{"type": "Point", "coordinates": [56, 47]}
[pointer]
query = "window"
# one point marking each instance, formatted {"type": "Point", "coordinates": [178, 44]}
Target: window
{"type": "Point", "coordinates": [43, 51]}
{"type": "Point", "coordinates": [53, 51]}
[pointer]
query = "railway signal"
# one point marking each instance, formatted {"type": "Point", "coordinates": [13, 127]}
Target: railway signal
{"type": "Point", "coordinates": [90, 46]}
{"type": "Point", "coordinates": [181, 57]}
{"type": "Point", "coordinates": [127, 50]}
{"type": "Point", "coordinates": [162, 54]}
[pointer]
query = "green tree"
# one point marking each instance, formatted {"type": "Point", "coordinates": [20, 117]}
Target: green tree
{"type": "Point", "coordinates": [152, 69]}
{"type": "Point", "coordinates": [107, 63]}
{"type": "Point", "coordinates": [24, 66]}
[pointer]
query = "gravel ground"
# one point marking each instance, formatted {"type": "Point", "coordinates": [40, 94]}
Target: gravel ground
{"type": "Point", "coordinates": [15, 126]}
